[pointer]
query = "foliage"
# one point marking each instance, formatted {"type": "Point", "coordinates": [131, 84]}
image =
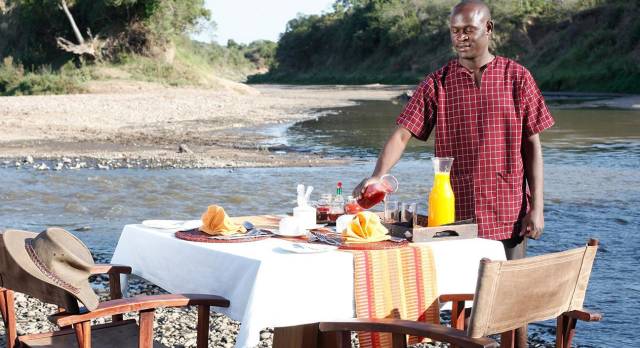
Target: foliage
{"type": "Point", "coordinates": [568, 44]}
{"type": "Point", "coordinates": [14, 80]}
{"type": "Point", "coordinates": [31, 26]}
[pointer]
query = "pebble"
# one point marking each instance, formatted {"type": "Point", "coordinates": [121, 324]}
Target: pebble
{"type": "Point", "coordinates": [183, 148]}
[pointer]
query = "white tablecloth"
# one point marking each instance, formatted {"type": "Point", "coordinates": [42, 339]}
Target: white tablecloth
{"type": "Point", "coordinates": [270, 287]}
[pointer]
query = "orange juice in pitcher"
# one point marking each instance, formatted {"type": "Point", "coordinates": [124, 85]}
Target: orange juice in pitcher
{"type": "Point", "coordinates": [441, 200]}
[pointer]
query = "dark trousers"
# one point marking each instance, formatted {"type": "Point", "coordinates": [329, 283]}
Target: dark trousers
{"type": "Point", "coordinates": [516, 248]}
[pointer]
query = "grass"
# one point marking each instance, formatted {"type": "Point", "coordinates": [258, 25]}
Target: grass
{"type": "Point", "coordinates": [15, 80]}
{"type": "Point", "coordinates": [194, 64]}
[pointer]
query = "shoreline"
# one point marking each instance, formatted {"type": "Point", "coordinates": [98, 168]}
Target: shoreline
{"type": "Point", "coordinates": [167, 127]}
{"type": "Point", "coordinates": [141, 125]}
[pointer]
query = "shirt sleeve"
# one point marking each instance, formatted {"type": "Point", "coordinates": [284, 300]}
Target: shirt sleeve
{"type": "Point", "coordinates": [419, 115]}
{"type": "Point", "coordinates": [535, 114]}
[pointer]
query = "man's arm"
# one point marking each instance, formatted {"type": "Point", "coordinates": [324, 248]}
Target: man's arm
{"type": "Point", "coordinates": [390, 155]}
{"type": "Point", "coordinates": [533, 222]}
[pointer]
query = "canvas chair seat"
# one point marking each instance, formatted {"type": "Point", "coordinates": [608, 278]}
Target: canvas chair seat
{"type": "Point", "coordinates": [123, 334]}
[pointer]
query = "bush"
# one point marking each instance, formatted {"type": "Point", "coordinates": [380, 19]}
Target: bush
{"type": "Point", "coordinates": [15, 81]}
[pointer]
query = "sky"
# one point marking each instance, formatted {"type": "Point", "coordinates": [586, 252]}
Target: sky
{"type": "Point", "coordinates": [248, 20]}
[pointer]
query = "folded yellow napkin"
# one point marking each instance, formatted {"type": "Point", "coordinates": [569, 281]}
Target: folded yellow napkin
{"type": "Point", "coordinates": [365, 228]}
{"type": "Point", "coordinates": [216, 222]}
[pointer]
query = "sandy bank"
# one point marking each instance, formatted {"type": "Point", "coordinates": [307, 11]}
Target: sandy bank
{"type": "Point", "coordinates": [141, 124]}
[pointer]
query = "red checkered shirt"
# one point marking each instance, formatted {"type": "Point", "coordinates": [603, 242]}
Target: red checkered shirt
{"type": "Point", "coordinates": [483, 130]}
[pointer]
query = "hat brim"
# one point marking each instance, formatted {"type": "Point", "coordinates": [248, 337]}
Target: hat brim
{"type": "Point", "coordinates": [14, 241]}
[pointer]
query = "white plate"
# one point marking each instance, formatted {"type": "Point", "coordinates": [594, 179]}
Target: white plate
{"type": "Point", "coordinates": [298, 234]}
{"type": "Point", "coordinates": [317, 226]}
{"type": "Point", "coordinates": [278, 233]}
{"type": "Point", "coordinates": [172, 224]}
{"type": "Point", "coordinates": [306, 248]}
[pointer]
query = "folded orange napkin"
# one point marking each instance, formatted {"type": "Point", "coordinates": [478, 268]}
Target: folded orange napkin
{"type": "Point", "coordinates": [365, 228]}
{"type": "Point", "coordinates": [216, 222]}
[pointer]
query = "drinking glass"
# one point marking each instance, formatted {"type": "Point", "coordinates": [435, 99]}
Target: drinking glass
{"type": "Point", "coordinates": [409, 213]}
{"type": "Point", "coordinates": [390, 211]}
{"type": "Point", "coordinates": [375, 193]}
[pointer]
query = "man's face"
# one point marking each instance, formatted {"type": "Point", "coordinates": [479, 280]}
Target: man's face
{"type": "Point", "coordinates": [470, 30]}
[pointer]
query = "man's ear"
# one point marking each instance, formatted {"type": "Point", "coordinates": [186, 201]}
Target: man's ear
{"type": "Point", "coordinates": [489, 27]}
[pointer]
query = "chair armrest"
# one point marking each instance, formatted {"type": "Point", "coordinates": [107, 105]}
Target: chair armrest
{"type": "Point", "coordinates": [139, 303]}
{"type": "Point", "coordinates": [408, 327]}
{"type": "Point", "coordinates": [455, 297]}
{"type": "Point", "coordinates": [584, 315]}
{"type": "Point", "coordinates": [106, 268]}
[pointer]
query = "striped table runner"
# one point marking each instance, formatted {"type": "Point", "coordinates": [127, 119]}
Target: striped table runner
{"type": "Point", "coordinates": [395, 283]}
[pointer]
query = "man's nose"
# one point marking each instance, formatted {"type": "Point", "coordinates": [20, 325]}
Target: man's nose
{"type": "Point", "coordinates": [462, 37]}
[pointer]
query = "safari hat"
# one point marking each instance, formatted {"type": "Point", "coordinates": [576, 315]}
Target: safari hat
{"type": "Point", "coordinates": [56, 257]}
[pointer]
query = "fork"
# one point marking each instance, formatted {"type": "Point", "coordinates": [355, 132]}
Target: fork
{"type": "Point", "coordinates": [325, 239]}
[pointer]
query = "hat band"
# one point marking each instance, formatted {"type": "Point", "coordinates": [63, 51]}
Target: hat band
{"type": "Point", "coordinates": [28, 245]}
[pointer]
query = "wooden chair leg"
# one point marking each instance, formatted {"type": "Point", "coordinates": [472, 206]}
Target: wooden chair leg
{"type": "Point", "coordinates": [8, 311]}
{"type": "Point", "coordinates": [457, 316]}
{"type": "Point", "coordinates": [508, 339]}
{"type": "Point", "coordinates": [83, 334]}
{"type": "Point", "coordinates": [570, 331]}
{"type": "Point", "coordinates": [398, 341]}
{"type": "Point", "coordinates": [145, 336]}
{"type": "Point", "coordinates": [115, 292]}
{"type": "Point", "coordinates": [203, 326]}
{"type": "Point", "coordinates": [565, 330]}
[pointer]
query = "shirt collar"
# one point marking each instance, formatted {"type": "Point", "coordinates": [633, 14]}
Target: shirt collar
{"type": "Point", "coordinates": [458, 68]}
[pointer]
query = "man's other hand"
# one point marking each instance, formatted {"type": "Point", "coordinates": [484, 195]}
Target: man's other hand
{"type": "Point", "coordinates": [359, 190]}
{"type": "Point", "coordinates": [532, 224]}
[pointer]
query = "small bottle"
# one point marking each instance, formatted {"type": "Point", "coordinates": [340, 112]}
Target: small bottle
{"type": "Point", "coordinates": [337, 205]}
{"type": "Point", "coordinates": [339, 197]}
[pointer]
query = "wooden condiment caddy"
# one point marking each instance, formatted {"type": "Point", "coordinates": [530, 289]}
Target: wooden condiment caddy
{"type": "Point", "coordinates": [465, 229]}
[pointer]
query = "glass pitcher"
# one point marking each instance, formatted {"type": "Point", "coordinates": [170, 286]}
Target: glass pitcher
{"type": "Point", "coordinates": [441, 200]}
{"type": "Point", "coordinates": [375, 193]}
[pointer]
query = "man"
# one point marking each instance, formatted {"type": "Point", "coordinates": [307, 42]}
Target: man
{"type": "Point", "coordinates": [487, 113]}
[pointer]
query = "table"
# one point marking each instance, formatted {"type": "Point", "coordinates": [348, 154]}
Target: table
{"type": "Point", "coordinates": [270, 287]}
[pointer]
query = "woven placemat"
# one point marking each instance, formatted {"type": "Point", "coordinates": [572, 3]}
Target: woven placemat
{"type": "Point", "coordinates": [195, 235]}
{"type": "Point", "coordinates": [385, 244]}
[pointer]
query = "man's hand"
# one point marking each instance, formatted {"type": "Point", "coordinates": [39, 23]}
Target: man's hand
{"type": "Point", "coordinates": [359, 190]}
{"type": "Point", "coordinates": [532, 224]}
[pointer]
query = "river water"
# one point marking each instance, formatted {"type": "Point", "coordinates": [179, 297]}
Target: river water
{"type": "Point", "coordinates": [592, 189]}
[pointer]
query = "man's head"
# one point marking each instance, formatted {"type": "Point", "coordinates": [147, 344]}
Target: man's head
{"type": "Point", "coordinates": [471, 27]}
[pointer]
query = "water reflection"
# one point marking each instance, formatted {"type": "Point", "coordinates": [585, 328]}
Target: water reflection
{"type": "Point", "coordinates": [362, 130]}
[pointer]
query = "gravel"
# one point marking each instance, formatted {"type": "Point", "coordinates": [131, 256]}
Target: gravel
{"type": "Point", "coordinates": [173, 327]}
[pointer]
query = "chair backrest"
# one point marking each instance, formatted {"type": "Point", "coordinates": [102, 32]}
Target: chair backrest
{"type": "Point", "coordinates": [12, 277]}
{"type": "Point", "coordinates": [510, 294]}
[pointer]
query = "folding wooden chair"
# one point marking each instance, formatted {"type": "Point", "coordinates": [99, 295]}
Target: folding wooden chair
{"type": "Point", "coordinates": [509, 294]}
{"type": "Point", "coordinates": [75, 321]}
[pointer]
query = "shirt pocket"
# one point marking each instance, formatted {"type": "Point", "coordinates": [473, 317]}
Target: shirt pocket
{"type": "Point", "coordinates": [509, 197]}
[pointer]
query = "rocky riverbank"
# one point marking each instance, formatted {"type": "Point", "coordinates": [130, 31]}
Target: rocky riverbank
{"type": "Point", "coordinates": [166, 127]}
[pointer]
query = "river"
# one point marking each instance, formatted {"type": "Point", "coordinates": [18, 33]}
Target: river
{"type": "Point", "coordinates": [592, 189]}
